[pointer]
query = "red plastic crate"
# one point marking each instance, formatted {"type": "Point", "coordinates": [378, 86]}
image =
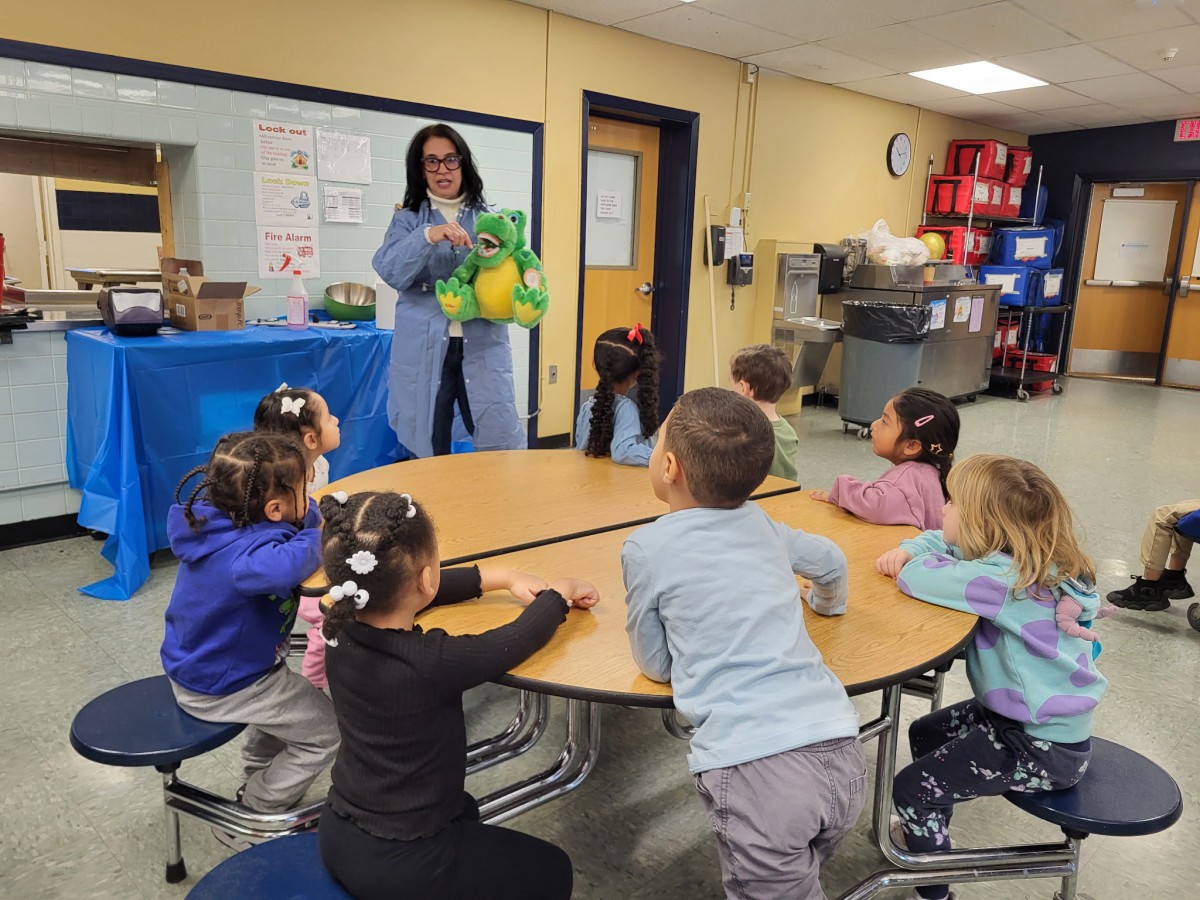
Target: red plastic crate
{"type": "Point", "coordinates": [1041, 362]}
{"type": "Point", "coordinates": [957, 249]}
{"type": "Point", "coordinates": [993, 156]}
{"type": "Point", "coordinates": [1018, 166]}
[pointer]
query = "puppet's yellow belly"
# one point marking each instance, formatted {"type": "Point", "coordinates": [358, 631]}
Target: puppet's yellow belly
{"type": "Point", "coordinates": [493, 290]}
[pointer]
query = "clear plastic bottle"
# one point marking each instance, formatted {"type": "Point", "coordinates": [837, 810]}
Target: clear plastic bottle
{"type": "Point", "coordinates": [183, 277]}
{"type": "Point", "coordinates": [297, 303]}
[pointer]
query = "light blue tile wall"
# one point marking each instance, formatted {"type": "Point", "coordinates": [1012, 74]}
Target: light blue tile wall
{"type": "Point", "coordinates": [206, 137]}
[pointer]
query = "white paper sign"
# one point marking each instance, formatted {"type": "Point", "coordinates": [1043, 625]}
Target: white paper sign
{"type": "Point", "coordinates": [608, 204]}
{"type": "Point", "coordinates": [1134, 251]}
{"type": "Point", "coordinates": [343, 204]}
{"type": "Point", "coordinates": [1029, 248]}
{"type": "Point", "coordinates": [1008, 283]}
{"type": "Point", "coordinates": [937, 319]}
{"type": "Point", "coordinates": [1052, 284]}
{"type": "Point", "coordinates": [735, 242]}
{"type": "Point", "coordinates": [962, 309]}
{"type": "Point", "coordinates": [283, 147]}
{"type": "Point", "coordinates": [977, 317]}
{"type": "Point", "coordinates": [285, 199]}
{"type": "Point", "coordinates": [283, 250]}
{"type": "Point", "coordinates": [343, 156]}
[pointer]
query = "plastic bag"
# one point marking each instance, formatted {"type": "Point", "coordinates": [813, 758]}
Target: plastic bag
{"type": "Point", "coordinates": [886, 323]}
{"type": "Point", "coordinates": [884, 248]}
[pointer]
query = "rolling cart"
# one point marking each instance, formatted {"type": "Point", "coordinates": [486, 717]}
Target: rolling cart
{"type": "Point", "coordinates": [1015, 367]}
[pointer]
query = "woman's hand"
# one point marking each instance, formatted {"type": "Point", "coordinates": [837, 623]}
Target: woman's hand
{"type": "Point", "coordinates": [452, 232]}
{"type": "Point", "coordinates": [823, 496]}
{"type": "Point", "coordinates": [576, 592]}
{"type": "Point", "coordinates": [892, 562]}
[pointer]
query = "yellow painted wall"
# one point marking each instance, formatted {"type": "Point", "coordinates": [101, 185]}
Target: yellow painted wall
{"type": "Point", "coordinates": [817, 155]}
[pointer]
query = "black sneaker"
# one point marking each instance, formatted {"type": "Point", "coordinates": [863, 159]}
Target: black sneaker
{"type": "Point", "coordinates": [1174, 585]}
{"type": "Point", "coordinates": [1146, 596]}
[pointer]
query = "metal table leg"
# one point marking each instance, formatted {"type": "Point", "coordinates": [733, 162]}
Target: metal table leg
{"type": "Point", "coordinates": [526, 729]}
{"type": "Point", "coordinates": [581, 748]}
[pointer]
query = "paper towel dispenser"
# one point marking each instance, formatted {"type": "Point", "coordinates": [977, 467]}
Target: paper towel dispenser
{"type": "Point", "coordinates": [833, 263]}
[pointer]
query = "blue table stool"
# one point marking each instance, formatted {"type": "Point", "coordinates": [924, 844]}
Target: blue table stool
{"type": "Point", "coordinates": [288, 867]}
{"type": "Point", "coordinates": [1122, 794]}
{"type": "Point", "coordinates": [140, 724]}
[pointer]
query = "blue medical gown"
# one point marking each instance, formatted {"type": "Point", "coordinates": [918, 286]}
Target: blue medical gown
{"type": "Point", "coordinates": [411, 265]}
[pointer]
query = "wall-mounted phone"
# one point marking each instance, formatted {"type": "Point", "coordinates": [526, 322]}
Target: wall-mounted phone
{"type": "Point", "coordinates": [741, 269]}
{"type": "Point", "coordinates": [718, 245]}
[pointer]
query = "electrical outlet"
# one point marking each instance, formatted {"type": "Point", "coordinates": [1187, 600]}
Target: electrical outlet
{"type": "Point", "coordinates": [553, 379]}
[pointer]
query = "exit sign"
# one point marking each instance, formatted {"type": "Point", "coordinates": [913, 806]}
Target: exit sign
{"type": "Point", "coordinates": [1187, 129]}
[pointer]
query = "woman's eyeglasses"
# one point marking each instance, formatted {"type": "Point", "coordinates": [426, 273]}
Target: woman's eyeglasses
{"type": "Point", "coordinates": [451, 161]}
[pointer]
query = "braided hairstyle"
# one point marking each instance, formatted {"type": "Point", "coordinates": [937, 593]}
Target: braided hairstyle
{"type": "Point", "coordinates": [270, 415]}
{"type": "Point", "coordinates": [246, 470]}
{"type": "Point", "coordinates": [938, 436]}
{"type": "Point", "coordinates": [396, 531]}
{"type": "Point", "coordinates": [619, 353]}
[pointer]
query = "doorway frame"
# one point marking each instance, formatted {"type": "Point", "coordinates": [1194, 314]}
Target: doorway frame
{"type": "Point", "coordinates": [678, 151]}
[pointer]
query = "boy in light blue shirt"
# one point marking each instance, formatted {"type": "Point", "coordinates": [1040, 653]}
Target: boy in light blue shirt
{"type": "Point", "coordinates": [714, 608]}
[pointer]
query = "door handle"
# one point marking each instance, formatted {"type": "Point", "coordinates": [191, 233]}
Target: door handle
{"type": "Point", "coordinates": [646, 289]}
{"type": "Point", "coordinates": [1184, 285]}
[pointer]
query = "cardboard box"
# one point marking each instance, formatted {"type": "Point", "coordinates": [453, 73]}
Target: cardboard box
{"type": "Point", "coordinates": [195, 303]}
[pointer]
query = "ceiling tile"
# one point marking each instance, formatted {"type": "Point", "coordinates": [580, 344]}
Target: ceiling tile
{"type": "Point", "coordinates": [900, 48]}
{"type": "Point", "coordinates": [1145, 51]}
{"type": "Point", "coordinates": [970, 107]}
{"type": "Point", "coordinates": [1122, 87]}
{"type": "Point", "coordinates": [903, 89]}
{"type": "Point", "coordinates": [684, 24]}
{"type": "Point", "coordinates": [819, 63]}
{"type": "Point", "coordinates": [1096, 116]}
{"type": "Point", "coordinates": [1186, 78]}
{"type": "Point", "coordinates": [1164, 107]}
{"type": "Point", "coordinates": [998, 29]}
{"type": "Point", "coordinates": [1066, 64]}
{"type": "Point", "coordinates": [607, 13]}
{"type": "Point", "coordinates": [1048, 97]}
{"type": "Point", "coordinates": [1028, 123]}
{"type": "Point", "coordinates": [1095, 20]}
{"type": "Point", "coordinates": [814, 20]}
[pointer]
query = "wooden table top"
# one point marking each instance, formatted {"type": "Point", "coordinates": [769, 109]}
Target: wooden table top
{"type": "Point", "coordinates": [884, 637]}
{"type": "Point", "coordinates": [494, 502]}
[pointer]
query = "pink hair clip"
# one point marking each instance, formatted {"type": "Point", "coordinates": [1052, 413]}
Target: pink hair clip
{"type": "Point", "coordinates": [924, 420]}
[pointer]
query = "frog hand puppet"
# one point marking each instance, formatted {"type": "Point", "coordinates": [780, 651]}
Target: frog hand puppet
{"type": "Point", "coordinates": [501, 279]}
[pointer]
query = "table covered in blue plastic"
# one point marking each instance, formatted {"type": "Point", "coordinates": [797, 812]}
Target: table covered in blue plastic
{"type": "Point", "coordinates": [142, 411]}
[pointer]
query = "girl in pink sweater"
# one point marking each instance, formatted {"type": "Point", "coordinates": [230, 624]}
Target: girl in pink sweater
{"type": "Point", "coordinates": [917, 433]}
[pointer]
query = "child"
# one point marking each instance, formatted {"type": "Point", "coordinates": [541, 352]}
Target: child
{"type": "Point", "coordinates": [714, 608]}
{"type": "Point", "coordinates": [917, 434]}
{"type": "Point", "coordinates": [762, 373]}
{"type": "Point", "coordinates": [1165, 555]}
{"type": "Point", "coordinates": [398, 818]}
{"type": "Point", "coordinates": [1007, 553]}
{"type": "Point", "coordinates": [609, 423]}
{"type": "Point", "coordinates": [244, 542]}
{"type": "Point", "coordinates": [304, 415]}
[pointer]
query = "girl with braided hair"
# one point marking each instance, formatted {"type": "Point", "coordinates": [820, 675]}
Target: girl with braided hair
{"type": "Point", "coordinates": [398, 817]}
{"type": "Point", "coordinates": [246, 536]}
{"type": "Point", "coordinates": [609, 422]}
{"type": "Point", "coordinates": [917, 434]}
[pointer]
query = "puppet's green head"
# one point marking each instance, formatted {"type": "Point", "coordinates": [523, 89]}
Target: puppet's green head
{"type": "Point", "coordinates": [497, 236]}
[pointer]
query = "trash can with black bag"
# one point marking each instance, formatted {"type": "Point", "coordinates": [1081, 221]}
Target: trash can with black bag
{"type": "Point", "coordinates": [881, 355]}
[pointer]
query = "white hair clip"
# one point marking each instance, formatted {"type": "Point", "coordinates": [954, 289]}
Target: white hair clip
{"type": "Point", "coordinates": [412, 507]}
{"type": "Point", "coordinates": [332, 642]}
{"type": "Point", "coordinates": [341, 497]}
{"type": "Point", "coordinates": [362, 562]}
{"type": "Point", "coordinates": [282, 387]}
{"type": "Point", "coordinates": [292, 405]}
{"type": "Point", "coordinates": [349, 589]}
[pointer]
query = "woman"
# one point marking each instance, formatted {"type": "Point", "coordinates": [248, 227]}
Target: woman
{"type": "Point", "coordinates": [437, 363]}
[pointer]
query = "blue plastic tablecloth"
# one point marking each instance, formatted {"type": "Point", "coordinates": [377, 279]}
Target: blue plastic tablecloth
{"type": "Point", "coordinates": [142, 411]}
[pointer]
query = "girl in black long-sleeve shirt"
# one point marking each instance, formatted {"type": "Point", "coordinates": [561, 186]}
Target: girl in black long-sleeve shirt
{"type": "Point", "coordinates": [398, 822]}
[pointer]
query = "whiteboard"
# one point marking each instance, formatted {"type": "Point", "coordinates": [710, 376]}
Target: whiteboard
{"type": "Point", "coordinates": [612, 201]}
{"type": "Point", "coordinates": [1135, 238]}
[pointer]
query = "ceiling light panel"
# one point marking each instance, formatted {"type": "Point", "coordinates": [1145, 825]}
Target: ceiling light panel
{"type": "Point", "coordinates": [979, 78]}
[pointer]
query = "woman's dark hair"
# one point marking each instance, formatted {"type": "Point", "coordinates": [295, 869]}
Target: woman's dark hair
{"type": "Point", "coordinates": [247, 469]}
{"type": "Point", "coordinates": [393, 529]}
{"type": "Point", "coordinates": [931, 419]}
{"type": "Point", "coordinates": [415, 189]}
{"type": "Point", "coordinates": [619, 353]}
{"type": "Point", "coordinates": [270, 415]}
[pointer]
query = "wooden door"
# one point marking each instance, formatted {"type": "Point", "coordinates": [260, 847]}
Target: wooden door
{"type": "Point", "coordinates": [1118, 330]}
{"type": "Point", "coordinates": [619, 242]}
{"type": "Point", "coordinates": [1181, 368]}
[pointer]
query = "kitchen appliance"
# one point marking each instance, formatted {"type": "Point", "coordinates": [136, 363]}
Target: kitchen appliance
{"type": "Point", "coordinates": [833, 266]}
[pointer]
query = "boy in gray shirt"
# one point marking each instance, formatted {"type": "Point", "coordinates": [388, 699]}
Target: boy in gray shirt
{"type": "Point", "coordinates": [714, 608]}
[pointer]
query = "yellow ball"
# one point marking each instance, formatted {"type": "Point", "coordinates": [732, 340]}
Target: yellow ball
{"type": "Point", "coordinates": [936, 244]}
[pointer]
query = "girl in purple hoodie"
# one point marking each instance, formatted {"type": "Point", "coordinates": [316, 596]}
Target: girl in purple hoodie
{"type": "Point", "coordinates": [917, 434]}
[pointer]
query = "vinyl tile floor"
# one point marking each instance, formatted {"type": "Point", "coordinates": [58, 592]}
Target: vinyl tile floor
{"type": "Point", "coordinates": [634, 829]}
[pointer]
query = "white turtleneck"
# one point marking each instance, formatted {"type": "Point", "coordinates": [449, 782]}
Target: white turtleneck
{"type": "Point", "coordinates": [449, 210]}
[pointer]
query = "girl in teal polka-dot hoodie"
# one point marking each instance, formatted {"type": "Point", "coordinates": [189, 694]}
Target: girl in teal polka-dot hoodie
{"type": "Point", "coordinates": [1007, 553]}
